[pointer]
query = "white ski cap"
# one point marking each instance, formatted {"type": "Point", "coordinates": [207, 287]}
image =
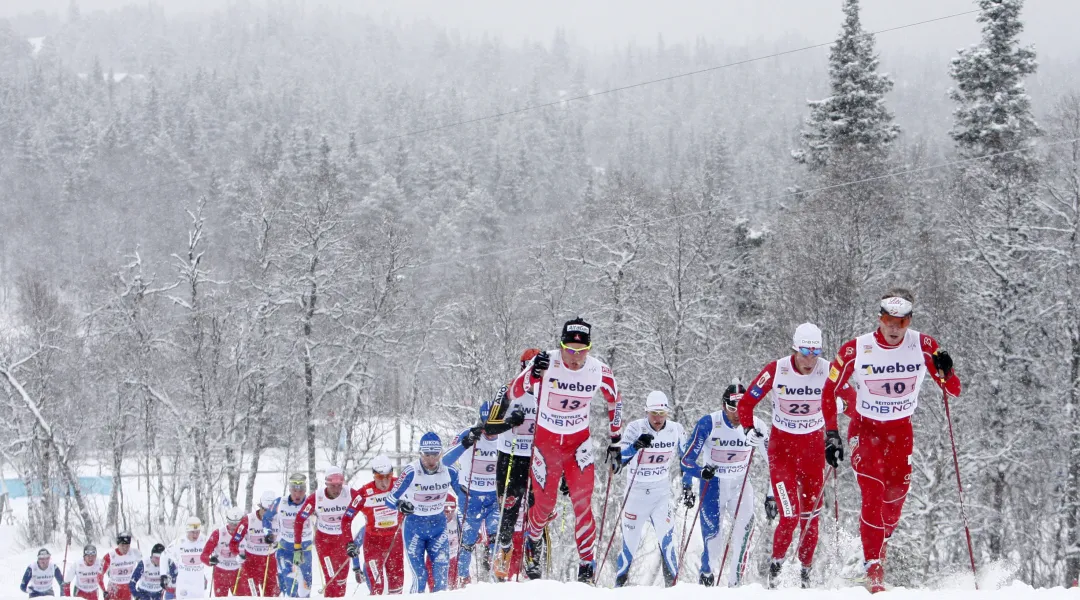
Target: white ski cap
{"type": "Point", "coordinates": [657, 401]}
{"type": "Point", "coordinates": [267, 499]}
{"type": "Point", "coordinates": [806, 335]}
{"type": "Point", "coordinates": [381, 464]}
{"type": "Point", "coordinates": [233, 515]}
{"type": "Point", "coordinates": [193, 524]}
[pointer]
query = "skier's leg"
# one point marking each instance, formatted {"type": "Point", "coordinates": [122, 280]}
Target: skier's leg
{"type": "Point", "coordinates": [810, 472]}
{"type": "Point", "coordinates": [868, 465]}
{"type": "Point", "coordinates": [470, 532]}
{"type": "Point", "coordinates": [270, 576]}
{"type": "Point", "coordinates": [710, 526]}
{"type": "Point", "coordinates": [375, 547]}
{"type": "Point", "coordinates": [632, 520]}
{"type": "Point", "coordinates": [546, 471]}
{"type": "Point", "coordinates": [581, 478]}
{"type": "Point", "coordinates": [785, 488]}
{"type": "Point", "coordinates": [439, 550]}
{"type": "Point", "coordinates": [738, 549]}
{"type": "Point", "coordinates": [395, 570]}
{"type": "Point", "coordinates": [897, 477]}
{"type": "Point", "coordinates": [415, 551]}
{"type": "Point", "coordinates": [664, 527]}
{"type": "Point", "coordinates": [491, 526]}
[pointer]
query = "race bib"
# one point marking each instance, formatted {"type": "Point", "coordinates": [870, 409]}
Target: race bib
{"type": "Point", "coordinates": [385, 518]}
{"type": "Point", "coordinates": [566, 404]}
{"type": "Point", "coordinates": [727, 455]}
{"type": "Point", "coordinates": [800, 408]}
{"type": "Point", "coordinates": [891, 388]}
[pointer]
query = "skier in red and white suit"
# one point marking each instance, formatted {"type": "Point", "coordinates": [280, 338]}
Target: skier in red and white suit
{"type": "Point", "coordinates": [886, 368]}
{"type": "Point", "coordinates": [564, 387]}
{"type": "Point", "coordinates": [333, 529]}
{"type": "Point", "coordinates": [796, 465]}
{"type": "Point", "coordinates": [381, 543]}
{"type": "Point", "coordinates": [219, 555]}
{"type": "Point", "coordinates": [258, 573]}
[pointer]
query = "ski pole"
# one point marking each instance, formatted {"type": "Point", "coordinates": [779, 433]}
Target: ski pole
{"type": "Point", "coordinates": [376, 572]}
{"type": "Point", "coordinates": [332, 577]}
{"type": "Point", "coordinates": [622, 507]}
{"type": "Point", "coordinates": [735, 517]}
{"type": "Point", "coordinates": [815, 508]}
{"type": "Point", "coordinates": [959, 486]}
{"type": "Point", "coordinates": [607, 494]}
{"type": "Point", "coordinates": [689, 536]}
{"type": "Point", "coordinates": [465, 505]}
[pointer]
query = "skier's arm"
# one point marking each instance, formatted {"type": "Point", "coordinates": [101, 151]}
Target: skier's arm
{"type": "Point", "coordinates": [350, 513]}
{"type": "Point", "coordinates": [454, 485]}
{"type": "Point", "coordinates": [950, 384]}
{"type": "Point", "coordinates": [524, 383]}
{"type": "Point", "coordinates": [496, 421]}
{"type": "Point", "coordinates": [105, 564]}
{"type": "Point", "coordinates": [268, 517]}
{"type": "Point", "coordinates": [302, 516]}
{"type": "Point", "coordinates": [241, 531]}
{"type": "Point", "coordinates": [764, 449]}
{"type": "Point", "coordinates": [400, 487]}
{"type": "Point", "coordinates": [610, 390]}
{"type": "Point", "coordinates": [26, 579]}
{"type": "Point", "coordinates": [454, 453]}
{"type": "Point", "coordinates": [135, 577]}
{"type": "Point", "coordinates": [763, 383]}
{"type": "Point", "coordinates": [690, 467]}
{"type": "Point", "coordinates": [628, 450]}
{"type": "Point", "coordinates": [59, 577]}
{"type": "Point", "coordinates": [839, 372]}
{"type": "Point", "coordinates": [359, 541]}
{"type": "Point", "coordinates": [208, 549]}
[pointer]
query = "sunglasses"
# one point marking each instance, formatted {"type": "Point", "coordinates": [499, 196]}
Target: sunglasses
{"type": "Point", "coordinates": [575, 351]}
{"type": "Point", "coordinates": [888, 319]}
{"type": "Point", "coordinates": [808, 351]}
{"type": "Point", "coordinates": [658, 413]}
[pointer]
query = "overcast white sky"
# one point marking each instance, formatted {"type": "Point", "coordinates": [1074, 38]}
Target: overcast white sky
{"type": "Point", "coordinates": [599, 24]}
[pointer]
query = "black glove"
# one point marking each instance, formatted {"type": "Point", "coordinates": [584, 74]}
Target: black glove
{"type": "Point", "coordinates": [352, 550]}
{"type": "Point", "coordinates": [644, 441]}
{"type": "Point", "coordinates": [359, 575]}
{"type": "Point", "coordinates": [517, 417]}
{"type": "Point", "coordinates": [943, 363]}
{"type": "Point", "coordinates": [269, 538]}
{"type": "Point", "coordinates": [106, 596]}
{"type": "Point", "coordinates": [242, 556]}
{"type": "Point", "coordinates": [213, 560]}
{"type": "Point", "coordinates": [708, 472]}
{"type": "Point", "coordinates": [770, 508]}
{"type": "Point", "coordinates": [688, 496]}
{"type": "Point", "coordinates": [565, 489]}
{"type": "Point", "coordinates": [471, 437]}
{"type": "Point", "coordinates": [405, 507]}
{"type": "Point", "coordinates": [614, 456]}
{"type": "Point", "coordinates": [164, 581]}
{"type": "Point", "coordinates": [540, 364]}
{"type": "Point", "coordinates": [834, 448]}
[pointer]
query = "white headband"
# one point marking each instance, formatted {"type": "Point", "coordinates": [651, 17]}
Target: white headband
{"type": "Point", "coordinates": [897, 307]}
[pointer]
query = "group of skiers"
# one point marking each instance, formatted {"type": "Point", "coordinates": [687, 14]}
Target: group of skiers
{"type": "Point", "coordinates": [533, 440]}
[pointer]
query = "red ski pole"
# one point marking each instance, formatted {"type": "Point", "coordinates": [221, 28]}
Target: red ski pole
{"type": "Point", "coordinates": [960, 487]}
{"type": "Point", "coordinates": [622, 507]}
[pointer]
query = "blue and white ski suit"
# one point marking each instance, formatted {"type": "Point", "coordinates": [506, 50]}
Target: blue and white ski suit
{"type": "Point", "coordinates": [425, 529]}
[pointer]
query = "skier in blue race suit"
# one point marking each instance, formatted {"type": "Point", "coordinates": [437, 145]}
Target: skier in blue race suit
{"type": "Point", "coordinates": [294, 580]}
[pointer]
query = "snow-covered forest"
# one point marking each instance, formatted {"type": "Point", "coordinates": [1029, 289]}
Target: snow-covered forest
{"type": "Point", "coordinates": [274, 229]}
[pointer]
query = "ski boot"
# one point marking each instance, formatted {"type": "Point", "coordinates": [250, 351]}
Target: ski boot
{"type": "Point", "coordinates": [585, 571]}
{"type": "Point", "coordinates": [621, 579]}
{"type": "Point", "coordinates": [804, 578]}
{"type": "Point", "coordinates": [669, 575]}
{"type": "Point", "coordinates": [775, 566]}
{"type": "Point", "coordinates": [707, 579]}
{"type": "Point", "coordinates": [534, 558]}
{"type": "Point", "coordinates": [501, 565]}
{"type": "Point", "coordinates": [875, 577]}
{"type": "Point", "coordinates": [463, 581]}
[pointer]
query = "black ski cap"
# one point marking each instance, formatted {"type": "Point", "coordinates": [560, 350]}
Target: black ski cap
{"type": "Point", "coordinates": [576, 331]}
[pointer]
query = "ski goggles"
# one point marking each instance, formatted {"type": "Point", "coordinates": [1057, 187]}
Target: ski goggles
{"type": "Point", "coordinates": [805, 351]}
{"type": "Point", "coordinates": [335, 479]}
{"type": "Point", "coordinates": [575, 351]}
{"type": "Point", "coordinates": [298, 484]}
{"type": "Point", "coordinates": [658, 413]}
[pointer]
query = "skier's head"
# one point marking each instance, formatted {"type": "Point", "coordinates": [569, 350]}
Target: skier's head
{"type": "Point", "coordinates": [895, 310]}
{"type": "Point", "coordinates": [382, 471]}
{"type": "Point", "coordinates": [806, 347]}
{"type": "Point", "coordinates": [450, 506]}
{"type": "Point", "coordinates": [266, 500]}
{"type": "Point", "coordinates": [430, 449]}
{"type": "Point", "coordinates": [485, 410]}
{"type": "Point", "coordinates": [233, 515]}
{"type": "Point", "coordinates": [335, 480]}
{"type": "Point", "coordinates": [297, 487]}
{"type": "Point", "coordinates": [43, 558]}
{"type": "Point", "coordinates": [156, 552]}
{"type": "Point", "coordinates": [123, 541]}
{"type": "Point", "coordinates": [657, 406]}
{"type": "Point", "coordinates": [731, 397]}
{"type": "Point", "coordinates": [89, 553]}
{"type": "Point", "coordinates": [527, 356]}
{"type": "Point", "coordinates": [575, 343]}
{"type": "Point", "coordinates": [194, 528]}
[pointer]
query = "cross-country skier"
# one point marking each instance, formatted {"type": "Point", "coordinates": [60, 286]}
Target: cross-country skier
{"type": "Point", "coordinates": [420, 496]}
{"type": "Point", "coordinates": [796, 465]}
{"type": "Point", "coordinates": [515, 423]}
{"type": "Point", "coordinates": [83, 575]}
{"type": "Point", "coordinates": [564, 386]}
{"type": "Point", "coordinates": [151, 577]}
{"type": "Point", "coordinates": [184, 557]}
{"type": "Point", "coordinates": [258, 572]}
{"type": "Point", "coordinates": [38, 578]}
{"type": "Point", "coordinates": [333, 530]}
{"type": "Point", "coordinates": [476, 454]}
{"type": "Point", "coordinates": [453, 530]}
{"type": "Point", "coordinates": [653, 445]}
{"type": "Point", "coordinates": [726, 450]}
{"type": "Point", "coordinates": [380, 537]}
{"type": "Point", "coordinates": [218, 555]}
{"type": "Point", "coordinates": [118, 565]}
{"type": "Point", "coordinates": [886, 368]}
{"type": "Point", "coordinates": [294, 578]}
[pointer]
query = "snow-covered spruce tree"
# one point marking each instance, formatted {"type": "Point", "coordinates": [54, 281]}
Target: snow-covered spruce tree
{"type": "Point", "coordinates": [837, 248]}
{"type": "Point", "coordinates": [1001, 261]}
